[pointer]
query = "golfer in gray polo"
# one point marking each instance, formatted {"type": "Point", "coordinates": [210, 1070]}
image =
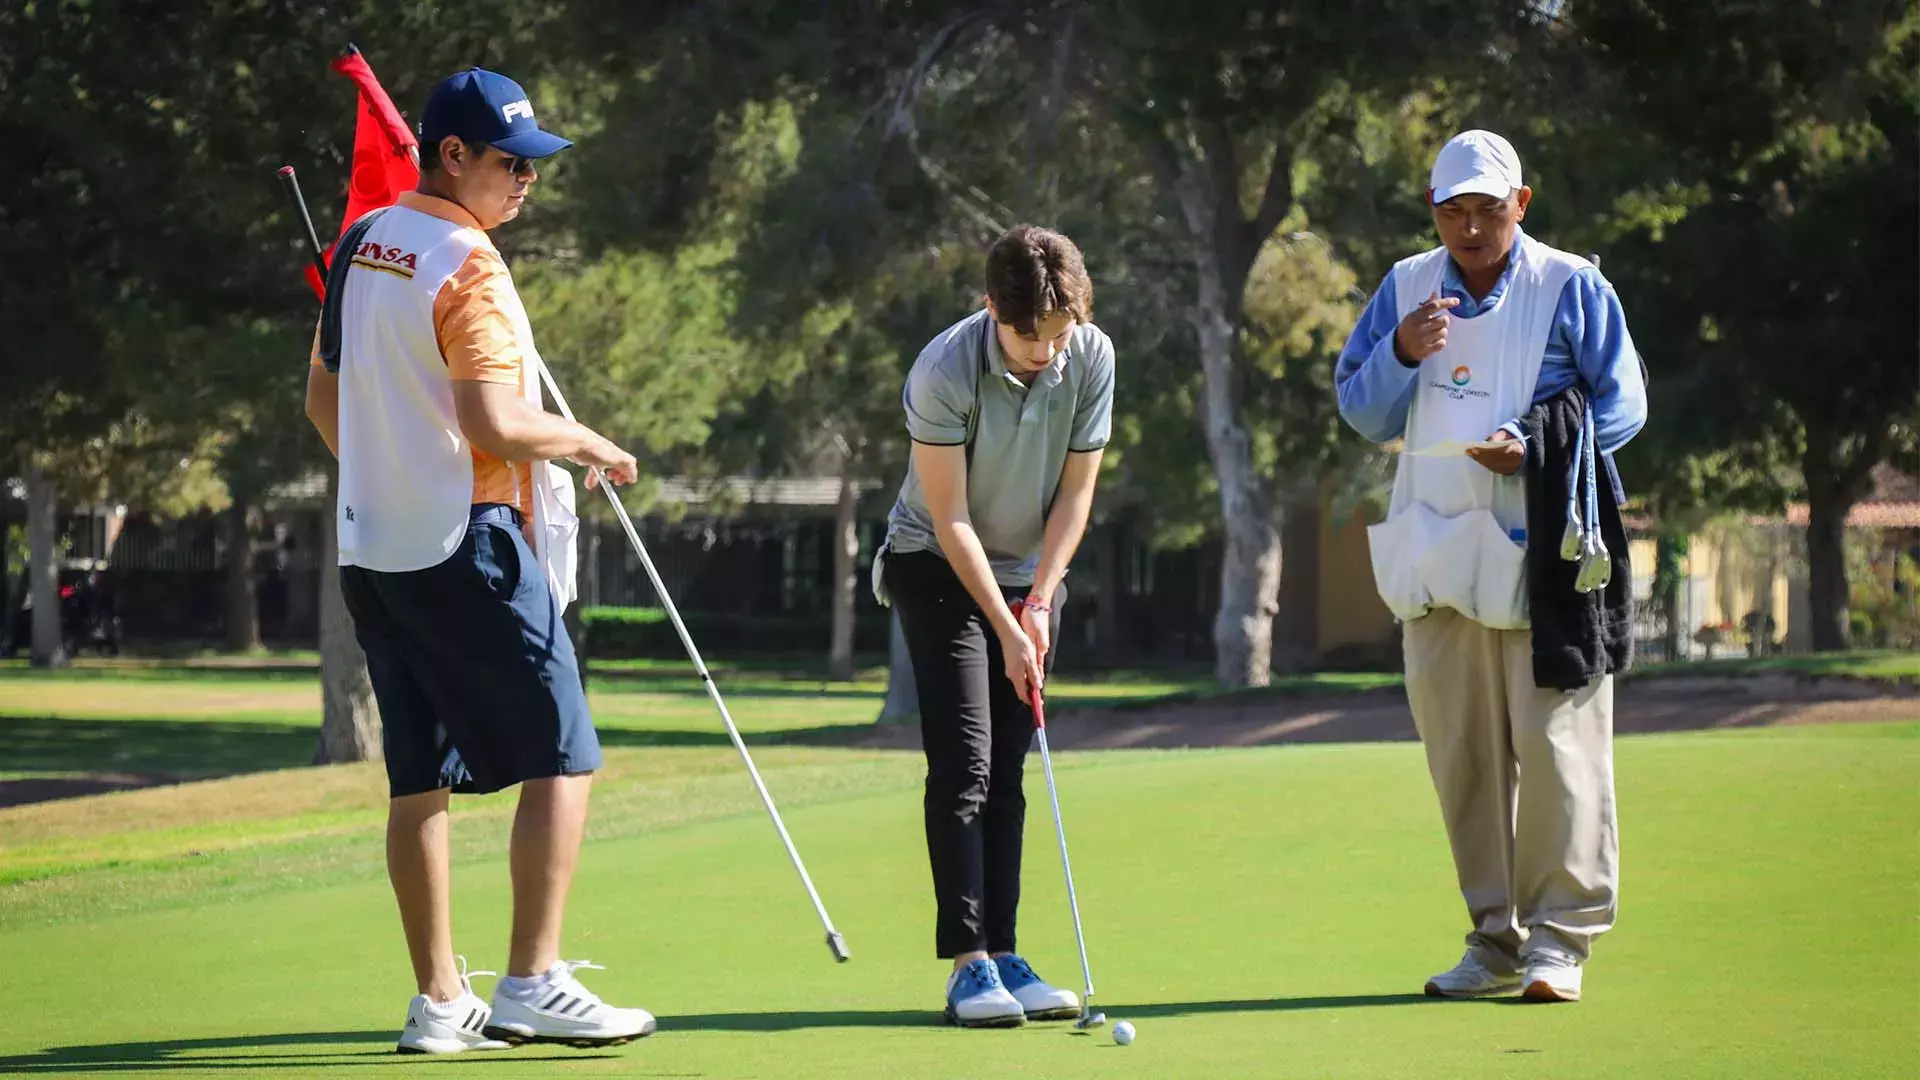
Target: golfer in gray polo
{"type": "Point", "coordinates": [1009, 410]}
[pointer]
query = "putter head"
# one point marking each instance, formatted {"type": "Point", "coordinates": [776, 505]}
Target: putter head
{"type": "Point", "coordinates": [1089, 1018]}
{"type": "Point", "coordinates": [839, 946]}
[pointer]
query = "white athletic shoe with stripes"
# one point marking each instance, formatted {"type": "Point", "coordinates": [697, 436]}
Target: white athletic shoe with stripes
{"type": "Point", "coordinates": [555, 1008]}
{"type": "Point", "coordinates": [452, 1027]}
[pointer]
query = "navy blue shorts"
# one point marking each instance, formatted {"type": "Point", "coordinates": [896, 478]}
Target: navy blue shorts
{"type": "Point", "coordinates": [473, 670]}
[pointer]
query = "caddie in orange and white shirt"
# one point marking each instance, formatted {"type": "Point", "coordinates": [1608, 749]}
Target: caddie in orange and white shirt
{"type": "Point", "coordinates": [455, 535]}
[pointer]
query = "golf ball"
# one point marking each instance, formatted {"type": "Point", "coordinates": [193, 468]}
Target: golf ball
{"type": "Point", "coordinates": [1123, 1033]}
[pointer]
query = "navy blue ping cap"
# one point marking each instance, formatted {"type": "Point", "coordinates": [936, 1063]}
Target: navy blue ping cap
{"type": "Point", "coordinates": [481, 106]}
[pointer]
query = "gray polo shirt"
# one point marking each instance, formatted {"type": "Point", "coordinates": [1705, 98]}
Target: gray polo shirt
{"type": "Point", "coordinates": [1020, 436]}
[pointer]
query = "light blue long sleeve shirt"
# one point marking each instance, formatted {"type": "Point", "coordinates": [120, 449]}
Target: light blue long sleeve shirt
{"type": "Point", "coordinates": [1588, 343]}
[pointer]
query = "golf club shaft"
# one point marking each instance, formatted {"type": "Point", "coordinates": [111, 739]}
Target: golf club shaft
{"type": "Point", "coordinates": [834, 941]}
{"type": "Point", "coordinates": [292, 183]}
{"type": "Point", "coordinates": [1060, 830]}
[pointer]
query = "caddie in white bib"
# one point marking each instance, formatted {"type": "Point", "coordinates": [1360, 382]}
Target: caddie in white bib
{"type": "Point", "coordinates": [1456, 356]}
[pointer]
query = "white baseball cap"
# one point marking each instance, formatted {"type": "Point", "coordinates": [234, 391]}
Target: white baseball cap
{"type": "Point", "coordinates": [1475, 163]}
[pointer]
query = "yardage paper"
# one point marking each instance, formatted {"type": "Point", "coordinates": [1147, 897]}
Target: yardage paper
{"type": "Point", "coordinates": [1455, 447]}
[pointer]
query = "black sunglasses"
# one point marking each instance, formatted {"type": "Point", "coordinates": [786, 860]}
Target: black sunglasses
{"type": "Point", "coordinates": [516, 164]}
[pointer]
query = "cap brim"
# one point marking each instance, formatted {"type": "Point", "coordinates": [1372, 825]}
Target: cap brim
{"type": "Point", "coordinates": [1479, 185]}
{"type": "Point", "coordinates": [532, 144]}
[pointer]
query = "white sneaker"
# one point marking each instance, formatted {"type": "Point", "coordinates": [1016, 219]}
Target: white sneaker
{"type": "Point", "coordinates": [1552, 976]}
{"type": "Point", "coordinates": [450, 1028]}
{"type": "Point", "coordinates": [1471, 978]}
{"type": "Point", "coordinates": [555, 1008]}
{"type": "Point", "coordinates": [975, 998]}
{"type": "Point", "coordinates": [1041, 1001]}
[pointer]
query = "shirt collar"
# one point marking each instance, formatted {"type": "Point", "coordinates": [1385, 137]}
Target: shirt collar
{"type": "Point", "coordinates": [1454, 285]}
{"type": "Point", "coordinates": [442, 208]}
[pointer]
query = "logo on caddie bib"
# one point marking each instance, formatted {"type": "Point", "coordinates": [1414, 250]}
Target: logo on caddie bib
{"type": "Point", "coordinates": [1460, 387]}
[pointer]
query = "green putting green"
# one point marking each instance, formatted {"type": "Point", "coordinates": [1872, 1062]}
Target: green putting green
{"type": "Point", "coordinates": [1256, 913]}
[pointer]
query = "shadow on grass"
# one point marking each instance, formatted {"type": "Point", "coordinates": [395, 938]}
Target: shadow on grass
{"type": "Point", "coordinates": [680, 686]}
{"type": "Point", "coordinates": [283, 1051]}
{"type": "Point", "coordinates": [129, 670]}
{"type": "Point", "coordinates": [99, 756]}
{"type": "Point", "coordinates": [803, 1021]}
{"type": "Point", "coordinates": [1123, 1011]}
{"type": "Point", "coordinates": [162, 749]}
{"type": "Point", "coordinates": [314, 1050]}
{"type": "Point", "coordinates": [825, 735]}
{"type": "Point", "coordinates": [887, 1018]}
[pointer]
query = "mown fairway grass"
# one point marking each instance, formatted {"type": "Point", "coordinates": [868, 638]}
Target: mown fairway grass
{"type": "Point", "coordinates": [1264, 912]}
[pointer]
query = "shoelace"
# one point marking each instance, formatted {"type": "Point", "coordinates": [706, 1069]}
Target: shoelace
{"type": "Point", "coordinates": [979, 977]}
{"type": "Point", "coordinates": [466, 977]}
{"type": "Point", "coordinates": [572, 985]}
{"type": "Point", "coordinates": [1021, 970]}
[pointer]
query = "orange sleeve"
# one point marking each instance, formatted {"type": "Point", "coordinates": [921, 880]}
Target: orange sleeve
{"type": "Point", "coordinates": [477, 336]}
{"type": "Point", "coordinates": [313, 356]}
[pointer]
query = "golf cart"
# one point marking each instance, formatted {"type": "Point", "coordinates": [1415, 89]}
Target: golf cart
{"type": "Point", "coordinates": [88, 618]}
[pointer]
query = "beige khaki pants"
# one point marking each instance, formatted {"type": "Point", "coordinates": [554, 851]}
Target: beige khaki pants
{"type": "Point", "coordinates": [1525, 779]}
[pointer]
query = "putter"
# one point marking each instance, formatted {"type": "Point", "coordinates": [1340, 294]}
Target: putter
{"type": "Point", "coordinates": [1088, 1017]}
{"type": "Point", "coordinates": [835, 943]}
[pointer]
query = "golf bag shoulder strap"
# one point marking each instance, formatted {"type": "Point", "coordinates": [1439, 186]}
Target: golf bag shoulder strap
{"type": "Point", "coordinates": [330, 308]}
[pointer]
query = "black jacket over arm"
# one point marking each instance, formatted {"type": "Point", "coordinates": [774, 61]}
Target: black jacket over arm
{"type": "Point", "coordinates": [1577, 637]}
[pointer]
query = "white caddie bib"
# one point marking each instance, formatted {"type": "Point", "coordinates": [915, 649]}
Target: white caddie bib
{"type": "Point", "coordinates": [1454, 533]}
{"type": "Point", "coordinates": [406, 471]}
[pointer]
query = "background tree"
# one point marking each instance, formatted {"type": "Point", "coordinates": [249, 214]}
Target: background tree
{"type": "Point", "coordinates": [1777, 302]}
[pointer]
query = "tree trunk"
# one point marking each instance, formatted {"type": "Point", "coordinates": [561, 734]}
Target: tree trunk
{"type": "Point", "coordinates": [1250, 567]}
{"type": "Point", "coordinates": [1827, 506]}
{"type": "Point", "coordinates": [349, 720]}
{"type": "Point", "coordinates": [1224, 246]}
{"type": "Point", "coordinates": [49, 648]}
{"type": "Point", "coordinates": [903, 699]}
{"type": "Point", "coordinates": [1669, 549]}
{"type": "Point", "coordinates": [243, 601]}
{"type": "Point", "coordinates": [846, 566]}
{"type": "Point", "coordinates": [1296, 644]}
{"type": "Point", "coordinates": [1838, 472]}
{"type": "Point", "coordinates": [116, 523]}
{"type": "Point", "coordinates": [1106, 619]}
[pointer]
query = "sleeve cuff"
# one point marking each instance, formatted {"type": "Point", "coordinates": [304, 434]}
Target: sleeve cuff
{"type": "Point", "coordinates": [938, 438]}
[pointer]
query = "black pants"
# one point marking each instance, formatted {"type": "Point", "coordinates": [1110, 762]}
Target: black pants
{"type": "Point", "coordinates": [976, 733]}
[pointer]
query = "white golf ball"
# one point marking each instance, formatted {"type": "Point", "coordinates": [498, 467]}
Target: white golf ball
{"type": "Point", "coordinates": [1123, 1033]}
